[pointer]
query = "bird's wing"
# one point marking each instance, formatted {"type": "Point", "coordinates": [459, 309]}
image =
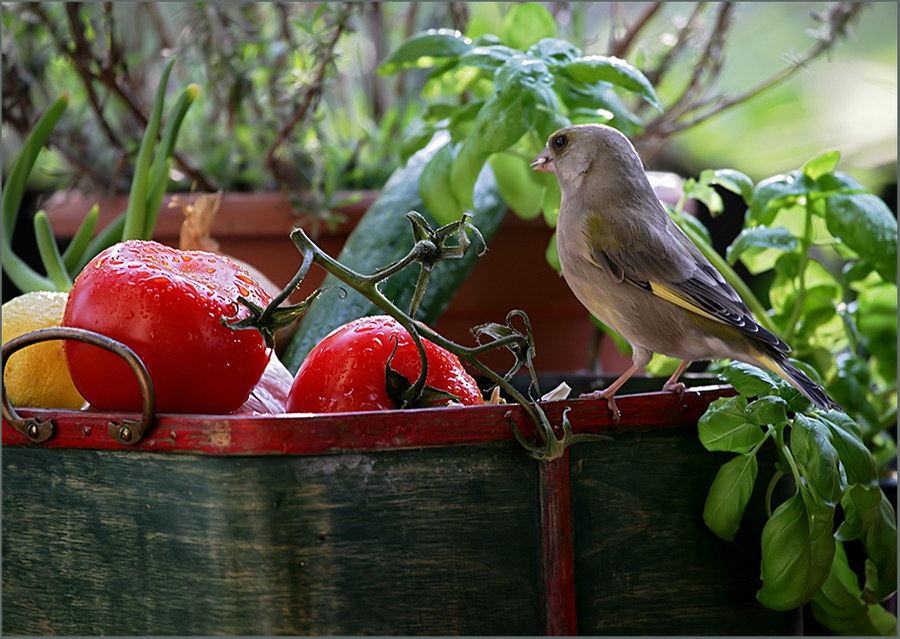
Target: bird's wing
{"type": "Point", "coordinates": [673, 269]}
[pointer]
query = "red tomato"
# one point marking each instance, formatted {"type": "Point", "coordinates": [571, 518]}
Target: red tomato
{"type": "Point", "coordinates": [167, 306]}
{"type": "Point", "coordinates": [346, 370]}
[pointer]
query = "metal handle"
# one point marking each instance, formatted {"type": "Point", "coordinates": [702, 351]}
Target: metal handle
{"type": "Point", "coordinates": [127, 431]}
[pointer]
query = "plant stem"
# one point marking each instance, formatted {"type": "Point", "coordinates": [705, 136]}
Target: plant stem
{"type": "Point", "coordinates": [805, 244]}
{"type": "Point", "coordinates": [367, 286]}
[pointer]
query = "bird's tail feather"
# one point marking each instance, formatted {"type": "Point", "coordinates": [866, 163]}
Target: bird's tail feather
{"type": "Point", "coordinates": [796, 378]}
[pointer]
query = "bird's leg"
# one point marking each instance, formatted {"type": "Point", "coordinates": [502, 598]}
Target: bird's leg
{"type": "Point", "coordinates": [609, 392]}
{"type": "Point", "coordinates": [673, 385]}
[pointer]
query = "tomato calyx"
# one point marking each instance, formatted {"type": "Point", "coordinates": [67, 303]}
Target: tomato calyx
{"type": "Point", "coordinates": [398, 387]}
{"type": "Point", "coordinates": [272, 318]}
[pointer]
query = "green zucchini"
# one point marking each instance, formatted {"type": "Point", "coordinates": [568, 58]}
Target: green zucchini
{"type": "Point", "coordinates": [382, 237]}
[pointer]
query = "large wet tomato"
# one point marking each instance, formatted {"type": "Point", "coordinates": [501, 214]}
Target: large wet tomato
{"type": "Point", "coordinates": [346, 371]}
{"type": "Point", "coordinates": [167, 306]}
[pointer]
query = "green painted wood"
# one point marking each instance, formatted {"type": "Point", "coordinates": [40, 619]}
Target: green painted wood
{"type": "Point", "coordinates": [645, 563]}
{"type": "Point", "coordinates": [426, 541]}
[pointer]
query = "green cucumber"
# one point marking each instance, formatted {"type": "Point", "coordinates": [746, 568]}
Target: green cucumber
{"type": "Point", "coordinates": [382, 237]}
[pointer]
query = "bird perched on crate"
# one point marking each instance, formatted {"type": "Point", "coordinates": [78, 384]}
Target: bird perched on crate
{"type": "Point", "coordinates": [638, 273]}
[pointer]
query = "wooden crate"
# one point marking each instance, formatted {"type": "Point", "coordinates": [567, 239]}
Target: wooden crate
{"type": "Point", "coordinates": [429, 521]}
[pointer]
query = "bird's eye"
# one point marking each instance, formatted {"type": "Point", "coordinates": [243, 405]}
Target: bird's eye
{"type": "Point", "coordinates": [559, 141]}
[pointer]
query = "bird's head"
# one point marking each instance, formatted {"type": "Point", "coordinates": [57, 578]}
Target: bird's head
{"type": "Point", "coordinates": [595, 149]}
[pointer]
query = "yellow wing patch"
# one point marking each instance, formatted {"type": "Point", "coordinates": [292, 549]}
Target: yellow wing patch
{"type": "Point", "coordinates": [679, 300]}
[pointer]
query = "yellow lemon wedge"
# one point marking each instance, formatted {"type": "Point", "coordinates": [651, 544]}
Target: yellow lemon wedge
{"type": "Point", "coordinates": [37, 375]}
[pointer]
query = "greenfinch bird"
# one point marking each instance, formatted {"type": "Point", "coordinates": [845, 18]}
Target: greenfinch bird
{"type": "Point", "coordinates": [631, 266]}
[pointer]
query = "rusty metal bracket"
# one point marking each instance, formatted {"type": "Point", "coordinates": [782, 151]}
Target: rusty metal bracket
{"type": "Point", "coordinates": [126, 431]}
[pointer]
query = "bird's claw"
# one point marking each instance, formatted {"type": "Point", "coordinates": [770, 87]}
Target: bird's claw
{"type": "Point", "coordinates": [675, 387]}
{"type": "Point", "coordinates": [610, 398]}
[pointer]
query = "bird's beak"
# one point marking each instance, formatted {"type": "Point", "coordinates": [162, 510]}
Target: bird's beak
{"type": "Point", "coordinates": [543, 162]}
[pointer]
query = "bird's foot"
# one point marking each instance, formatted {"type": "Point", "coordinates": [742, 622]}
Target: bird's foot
{"type": "Point", "coordinates": [675, 387]}
{"type": "Point", "coordinates": [610, 396]}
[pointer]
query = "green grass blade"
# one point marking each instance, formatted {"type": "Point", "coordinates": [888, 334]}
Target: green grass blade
{"type": "Point", "coordinates": [162, 163]}
{"type": "Point", "coordinates": [49, 252]}
{"type": "Point", "coordinates": [76, 248]}
{"type": "Point", "coordinates": [135, 221]}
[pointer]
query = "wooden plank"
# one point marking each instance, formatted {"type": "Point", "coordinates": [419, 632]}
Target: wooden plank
{"type": "Point", "coordinates": [302, 434]}
{"type": "Point", "coordinates": [646, 564]}
{"type": "Point", "coordinates": [558, 561]}
{"type": "Point", "coordinates": [430, 541]}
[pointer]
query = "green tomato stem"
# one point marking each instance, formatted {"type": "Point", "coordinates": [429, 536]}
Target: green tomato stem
{"type": "Point", "coordinates": [367, 286]}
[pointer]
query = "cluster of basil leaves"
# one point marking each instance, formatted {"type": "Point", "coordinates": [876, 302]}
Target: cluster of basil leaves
{"type": "Point", "coordinates": [828, 249]}
{"type": "Point", "coordinates": [501, 96]}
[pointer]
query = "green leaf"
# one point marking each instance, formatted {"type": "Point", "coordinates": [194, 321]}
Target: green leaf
{"type": "Point", "coordinates": [554, 51]}
{"type": "Point", "coordinates": [860, 505]}
{"type": "Point", "coordinates": [880, 542]}
{"type": "Point", "coordinates": [522, 72]}
{"type": "Point", "coordinates": [794, 564]}
{"type": "Point", "coordinates": [850, 387]}
{"type": "Point", "coordinates": [77, 247]}
{"type": "Point", "coordinates": [728, 496]}
{"type": "Point", "coordinates": [865, 223]}
{"type": "Point", "coordinates": [464, 173]}
{"type": "Point", "coordinates": [858, 462]}
{"type": "Point", "coordinates": [839, 605]}
{"type": "Point", "coordinates": [489, 58]}
{"type": "Point", "coordinates": [435, 190]}
{"type": "Point", "coordinates": [752, 381]}
{"type": "Point", "coordinates": [525, 24]}
{"type": "Point", "coordinates": [762, 237]}
{"type": "Point", "coordinates": [724, 427]}
{"type": "Point", "coordinates": [522, 193]}
{"type": "Point", "coordinates": [596, 68]}
{"type": "Point", "coordinates": [775, 193]}
{"type": "Point", "coordinates": [766, 410]}
{"type": "Point", "coordinates": [821, 164]}
{"type": "Point", "coordinates": [735, 181]}
{"type": "Point", "coordinates": [818, 459]}
{"type": "Point", "coordinates": [424, 49]}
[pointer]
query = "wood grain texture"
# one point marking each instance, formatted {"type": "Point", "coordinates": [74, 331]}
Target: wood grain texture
{"type": "Point", "coordinates": [431, 541]}
{"type": "Point", "coordinates": [646, 564]}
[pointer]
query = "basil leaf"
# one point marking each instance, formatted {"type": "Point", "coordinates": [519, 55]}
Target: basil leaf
{"type": "Point", "coordinates": [525, 24]}
{"type": "Point", "coordinates": [753, 381]}
{"type": "Point", "coordinates": [762, 237]}
{"type": "Point", "coordinates": [728, 495]}
{"type": "Point", "coordinates": [435, 189]}
{"type": "Point", "coordinates": [794, 565]}
{"type": "Point", "coordinates": [865, 223]}
{"type": "Point", "coordinates": [775, 193]}
{"type": "Point", "coordinates": [517, 187]}
{"type": "Point", "coordinates": [857, 460]}
{"type": "Point", "coordinates": [840, 607]}
{"type": "Point", "coordinates": [421, 50]}
{"type": "Point", "coordinates": [766, 410]}
{"type": "Point", "coordinates": [822, 164]}
{"type": "Point", "coordinates": [724, 427]}
{"type": "Point", "coordinates": [880, 542]}
{"type": "Point", "coordinates": [860, 505]}
{"type": "Point", "coordinates": [818, 459]}
{"type": "Point", "coordinates": [596, 68]}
